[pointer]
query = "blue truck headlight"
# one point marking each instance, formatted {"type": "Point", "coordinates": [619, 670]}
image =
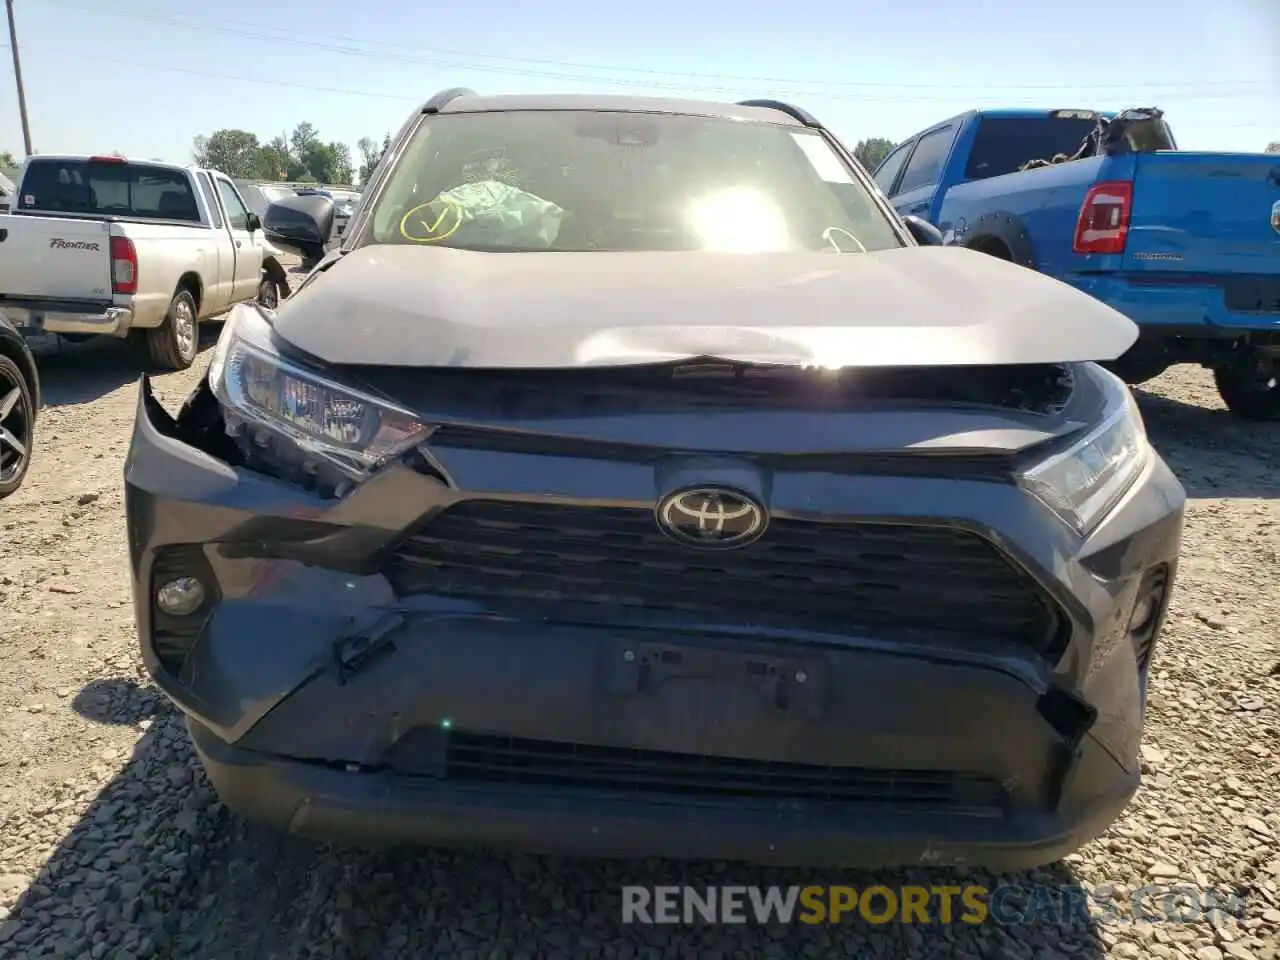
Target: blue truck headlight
{"type": "Point", "coordinates": [260, 390]}
{"type": "Point", "coordinates": [1082, 483]}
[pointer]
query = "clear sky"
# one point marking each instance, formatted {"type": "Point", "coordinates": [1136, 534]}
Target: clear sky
{"type": "Point", "coordinates": [145, 79]}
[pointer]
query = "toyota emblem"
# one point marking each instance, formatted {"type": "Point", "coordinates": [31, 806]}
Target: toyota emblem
{"type": "Point", "coordinates": [711, 517]}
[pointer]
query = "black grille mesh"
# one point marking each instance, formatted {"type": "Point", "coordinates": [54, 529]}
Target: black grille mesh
{"type": "Point", "coordinates": [843, 577]}
{"type": "Point", "coordinates": [499, 759]}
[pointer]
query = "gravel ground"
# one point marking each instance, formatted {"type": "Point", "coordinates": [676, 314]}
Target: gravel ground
{"type": "Point", "coordinates": [112, 844]}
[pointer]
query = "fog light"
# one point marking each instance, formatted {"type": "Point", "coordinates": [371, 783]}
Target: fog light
{"type": "Point", "coordinates": [180, 597]}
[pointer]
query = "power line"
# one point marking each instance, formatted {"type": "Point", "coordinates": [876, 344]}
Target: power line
{"type": "Point", "coordinates": [252, 31]}
{"type": "Point", "coordinates": [413, 98]}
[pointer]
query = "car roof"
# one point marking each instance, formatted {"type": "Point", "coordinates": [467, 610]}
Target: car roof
{"type": "Point", "coordinates": [620, 103]}
{"type": "Point", "coordinates": [85, 157]}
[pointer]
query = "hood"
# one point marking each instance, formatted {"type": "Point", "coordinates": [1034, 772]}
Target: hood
{"type": "Point", "coordinates": [399, 305]}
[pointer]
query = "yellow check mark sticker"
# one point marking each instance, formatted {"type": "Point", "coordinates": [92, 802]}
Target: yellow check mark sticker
{"type": "Point", "coordinates": [431, 222]}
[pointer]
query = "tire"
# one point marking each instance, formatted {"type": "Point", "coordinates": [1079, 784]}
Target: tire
{"type": "Point", "coordinates": [1248, 393]}
{"type": "Point", "coordinates": [269, 293]}
{"type": "Point", "coordinates": [17, 427]}
{"type": "Point", "coordinates": [174, 344]}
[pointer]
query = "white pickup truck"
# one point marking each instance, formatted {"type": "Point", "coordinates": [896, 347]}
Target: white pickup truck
{"type": "Point", "coordinates": [105, 245]}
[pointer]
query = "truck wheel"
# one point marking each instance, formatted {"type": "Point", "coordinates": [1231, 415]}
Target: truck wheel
{"type": "Point", "coordinates": [173, 344]}
{"type": "Point", "coordinates": [1248, 392]}
{"type": "Point", "coordinates": [269, 293]}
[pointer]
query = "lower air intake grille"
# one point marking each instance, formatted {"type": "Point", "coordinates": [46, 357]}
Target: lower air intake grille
{"type": "Point", "coordinates": [874, 578]}
{"type": "Point", "coordinates": [497, 759]}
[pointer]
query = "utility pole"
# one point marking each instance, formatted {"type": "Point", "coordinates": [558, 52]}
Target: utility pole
{"type": "Point", "coordinates": [17, 79]}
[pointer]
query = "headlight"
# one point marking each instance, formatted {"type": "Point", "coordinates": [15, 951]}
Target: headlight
{"type": "Point", "coordinates": [295, 415]}
{"type": "Point", "coordinates": [1082, 483]}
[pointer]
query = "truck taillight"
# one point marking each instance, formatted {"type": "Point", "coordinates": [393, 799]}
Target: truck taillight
{"type": "Point", "coordinates": [1103, 224]}
{"type": "Point", "coordinates": [124, 266]}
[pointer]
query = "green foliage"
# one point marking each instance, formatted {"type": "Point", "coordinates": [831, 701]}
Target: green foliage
{"type": "Point", "coordinates": [371, 154]}
{"type": "Point", "coordinates": [301, 156]}
{"type": "Point", "coordinates": [871, 151]}
{"type": "Point", "coordinates": [7, 159]}
{"type": "Point", "coordinates": [1274, 147]}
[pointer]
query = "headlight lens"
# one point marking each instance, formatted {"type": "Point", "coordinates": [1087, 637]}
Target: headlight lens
{"type": "Point", "coordinates": [1082, 483]}
{"type": "Point", "coordinates": [267, 398]}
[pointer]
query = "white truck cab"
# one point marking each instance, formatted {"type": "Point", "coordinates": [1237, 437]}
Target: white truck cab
{"type": "Point", "coordinates": [106, 245]}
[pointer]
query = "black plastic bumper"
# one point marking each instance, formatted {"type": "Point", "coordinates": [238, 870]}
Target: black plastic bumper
{"type": "Point", "coordinates": [369, 809]}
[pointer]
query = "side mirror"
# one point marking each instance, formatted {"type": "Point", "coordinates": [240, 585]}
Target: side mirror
{"type": "Point", "coordinates": [253, 222]}
{"type": "Point", "coordinates": [300, 225]}
{"type": "Point", "coordinates": [924, 232]}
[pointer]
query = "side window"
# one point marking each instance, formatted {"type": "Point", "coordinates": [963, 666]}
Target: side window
{"type": "Point", "coordinates": [237, 215]}
{"type": "Point", "coordinates": [926, 162]}
{"type": "Point", "coordinates": [888, 171]}
{"type": "Point", "coordinates": [207, 190]}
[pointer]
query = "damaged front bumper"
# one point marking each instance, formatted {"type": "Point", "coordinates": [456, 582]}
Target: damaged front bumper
{"type": "Point", "coordinates": [324, 704]}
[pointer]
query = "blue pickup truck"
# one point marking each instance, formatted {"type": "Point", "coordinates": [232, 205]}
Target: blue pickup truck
{"type": "Point", "coordinates": [1185, 244]}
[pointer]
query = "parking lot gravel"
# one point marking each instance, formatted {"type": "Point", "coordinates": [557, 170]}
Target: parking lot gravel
{"type": "Point", "coordinates": [113, 845]}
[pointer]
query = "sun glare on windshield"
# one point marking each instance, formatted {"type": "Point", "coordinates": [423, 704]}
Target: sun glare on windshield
{"type": "Point", "coordinates": [739, 220]}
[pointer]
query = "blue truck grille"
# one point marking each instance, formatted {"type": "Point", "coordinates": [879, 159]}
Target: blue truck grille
{"type": "Point", "coordinates": [850, 578]}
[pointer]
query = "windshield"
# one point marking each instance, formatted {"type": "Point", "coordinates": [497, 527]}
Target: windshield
{"type": "Point", "coordinates": [615, 181]}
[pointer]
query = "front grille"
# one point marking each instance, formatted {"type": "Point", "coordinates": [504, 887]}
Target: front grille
{"type": "Point", "coordinates": [497, 759]}
{"type": "Point", "coordinates": [875, 578]}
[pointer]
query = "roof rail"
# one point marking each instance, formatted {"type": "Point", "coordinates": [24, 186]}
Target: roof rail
{"type": "Point", "coordinates": [441, 99]}
{"type": "Point", "coordinates": [795, 113]}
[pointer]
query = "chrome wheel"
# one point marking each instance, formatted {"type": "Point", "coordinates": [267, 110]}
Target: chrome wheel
{"type": "Point", "coordinates": [15, 428]}
{"type": "Point", "coordinates": [184, 328]}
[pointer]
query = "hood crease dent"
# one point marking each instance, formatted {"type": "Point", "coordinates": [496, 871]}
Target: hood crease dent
{"type": "Point", "coordinates": [399, 305]}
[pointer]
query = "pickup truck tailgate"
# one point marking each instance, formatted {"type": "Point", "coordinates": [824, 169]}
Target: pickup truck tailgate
{"type": "Point", "coordinates": [54, 258]}
{"type": "Point", "coordinates": [1213, 215]}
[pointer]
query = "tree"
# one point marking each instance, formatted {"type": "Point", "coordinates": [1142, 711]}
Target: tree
{"type": "Point", "coordinates": [371, 155]}
{"type": "Point", "coordinates": [339, 168]}
{"type": "Point", "coordinates": [7, 159]}
{"type": "Point", "coordinates": [871, 151]}
{"type": "Point", "coordinates": [236, 153]}
{"type": "Point", "coordinates": [1274, 147]}
{"type": "Point", "coordinates": [300, 155]}
{"type": "Point", "coordinates": [275, 159]}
